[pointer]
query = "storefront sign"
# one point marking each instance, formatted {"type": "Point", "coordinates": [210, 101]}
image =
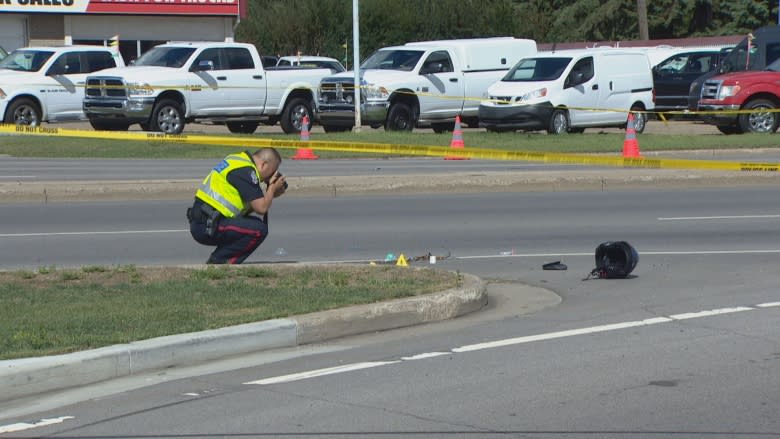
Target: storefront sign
{"type": "Point", "coordinates": [158, 7]}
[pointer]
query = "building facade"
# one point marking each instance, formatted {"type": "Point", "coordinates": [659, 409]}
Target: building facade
{"type": "Point", "coordinates": [137, 25]}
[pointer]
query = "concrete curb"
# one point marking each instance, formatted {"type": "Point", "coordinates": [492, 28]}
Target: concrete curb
{"type": "Point", "coordinates": [31, 376]}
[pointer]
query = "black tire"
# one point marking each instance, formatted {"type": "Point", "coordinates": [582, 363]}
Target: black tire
{"type": "Point", "coordinates": [446, 127]}
{"type": "Point", "coordinates": [293, 113]}
{"type": "Point", "coordinates": [729, 129]}
{"type": "Point", "coordinates": [400, 118]}
{"type": "Point", "coordinates": [559, 122]}
{"type": "Point", "coordinates": [167, 117]}
{"type": "Point", "coordinates": [376, 125]}
{"type": "Point", "coordinates": [145, 126]}
{"type": "Point", "coordinates": [761, 121]}
{"type": "Point", "coordinates": [640, 119]}
{"type": "Point", "coordinates": [336, 128]}
{"type": "Point", "coordinates": [244, 127]}
{"type": "Point", "coordinates": [108, 125]}
{"type": "Point", "coordinates": [24, 112]}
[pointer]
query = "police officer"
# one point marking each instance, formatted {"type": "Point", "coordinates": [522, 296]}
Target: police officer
{"type": "Point", "coordinates": [230, 202]}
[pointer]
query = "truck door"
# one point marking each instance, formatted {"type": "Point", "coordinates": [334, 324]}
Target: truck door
{"type": "Point", "coordinates": [63, 87]}
{"type": "Point", "coordinates": [581, 92]}
{"type": "Point", "coordinates": [246, 89]}
{"type": "Point", "coordinates": [206, 83]}
{"type": "Point", "coordinates": [441, 88]}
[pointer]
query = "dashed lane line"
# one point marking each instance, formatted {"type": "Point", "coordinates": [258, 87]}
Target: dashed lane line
{"type": "Point", "coordinates": [514, 341]}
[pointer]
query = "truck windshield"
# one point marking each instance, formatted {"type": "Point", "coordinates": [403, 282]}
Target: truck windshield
{"type": "Point", "coordinates": [25, 60]}
{"type": "Point", "coordinates": [165, 57]}
{"type": "Point", "coordinates": [403, 60]}
{"type": "Point", "coordinates": [537, 69]}
{"type": "Point", "coordinates": [739, 59]}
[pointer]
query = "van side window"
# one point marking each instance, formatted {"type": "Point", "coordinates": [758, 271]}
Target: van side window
{"type": "Point", "coordinates": [581, 73]}
{"type": "Point", "coordinates": [239, 58]}
{"type": "Point", "coordinates": [437, 62]}
{"type": "Point", "coordinates": [772, 53]}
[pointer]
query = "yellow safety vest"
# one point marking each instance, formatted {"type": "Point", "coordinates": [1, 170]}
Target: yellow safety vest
{"type": "Point", "coordinates": [218, 193]}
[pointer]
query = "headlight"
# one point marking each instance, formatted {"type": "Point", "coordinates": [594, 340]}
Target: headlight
{"type": "Point", "coordinates": [139, 89]}
{"type": "Point", "coordinates": [536, 94]}
{"type": "Point", "coordinates": [375, 93]}
{"type": "Point", "coordinates": [727, 91]}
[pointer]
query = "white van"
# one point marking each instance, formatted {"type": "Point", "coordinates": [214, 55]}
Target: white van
{"type": "Point", "coordinates": [570, 90]}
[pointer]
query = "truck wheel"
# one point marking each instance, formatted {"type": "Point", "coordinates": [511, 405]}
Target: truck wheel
{"type": "Point", "coordinates": [167, 117]}
{"type": "Point", "coordinates": [24, 112]}
{"type": "Point", "coordinates": [760, 121]}
{"type": "Point", "coordinates": [399, 118]}
{"type": "Point", "coordinates": [729, 129]}
{"type": "Point", "coordinates": [242, 127]}
{"type": "Point", "coordinates": [293, 113]}
{"type": "Point", "coordinates": [640, 119]}
{"type": "Point", "coordinates": [108, 125]}
{"type": "Point", "coordinates": [559, 122]}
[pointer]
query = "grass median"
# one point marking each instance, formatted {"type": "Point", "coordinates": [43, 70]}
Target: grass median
{"type": "Point", "coordinates": [53, 311]}
{"type": "Point", "coordinates": [596, 142]}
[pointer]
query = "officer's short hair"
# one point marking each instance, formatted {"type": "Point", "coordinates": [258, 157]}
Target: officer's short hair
{"type": "Point", "coordinates": [268, 154]}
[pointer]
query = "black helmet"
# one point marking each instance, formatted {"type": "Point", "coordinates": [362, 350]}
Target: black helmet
{"type": "Point", "coordinates": [614, 260]}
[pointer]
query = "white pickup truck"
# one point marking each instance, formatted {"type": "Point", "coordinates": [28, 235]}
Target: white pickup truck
{"type": "Point", "coordinates": [176, 83]}
{"type": "Point", "coordinates": [46, 84]}
{"type": "Point", "coordinates": [422, 83]}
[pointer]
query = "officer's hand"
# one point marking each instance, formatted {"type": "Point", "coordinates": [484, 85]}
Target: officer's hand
{"type": "Point", "coordinates": [278, 183]}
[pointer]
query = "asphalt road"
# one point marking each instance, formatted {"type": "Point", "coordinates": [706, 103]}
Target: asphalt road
{"type": "Point", "coordinates": [688, 347]}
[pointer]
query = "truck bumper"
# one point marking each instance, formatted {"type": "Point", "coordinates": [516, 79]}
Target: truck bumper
{"type": "Point", "coordinates": [136, 110]}
{"type": "Point", "coordinates": [515, 117]}
{"type": "Point", "coordinates": [371, 113]}
{"type": "Point", "coordinates": [716, 114]}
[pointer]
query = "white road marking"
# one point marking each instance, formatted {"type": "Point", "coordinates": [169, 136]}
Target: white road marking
{"type": "Point", "coordinates": [117, 232]}
{"type": "Point", "coordinates": [768, 304]}
{"type": "Point", "coordinates": [713, 312]}
{"type": "Point", "coordinates": [26, 426]}
{"type": "Point", "coordinates": [560, 334]}
{"type": "Point", "coordinates": [703, 218]}
{"type": "Point", "coordinates": [425, 355]}
{"type": "Point", "coordinates": [641, 253]}
{"type": "Point", "coordinates": [515, 341]}
{"type": "Point", "coordinates": [321, 372]}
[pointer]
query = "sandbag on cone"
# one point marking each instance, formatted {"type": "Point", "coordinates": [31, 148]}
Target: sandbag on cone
{"type": "Point", "coordinates": [457, 140]}
{"type": "Point", "coordinates": [305, 153]}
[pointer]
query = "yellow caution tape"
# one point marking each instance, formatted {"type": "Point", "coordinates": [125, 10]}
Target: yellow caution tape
{"type": "Point", "coordinates": [403, 149]}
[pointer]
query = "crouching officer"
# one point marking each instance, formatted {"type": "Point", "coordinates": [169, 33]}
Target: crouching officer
{"type": "Point", "coordinates": [229, 202]}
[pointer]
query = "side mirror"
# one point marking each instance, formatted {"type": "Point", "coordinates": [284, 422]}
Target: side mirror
{"type": "Point", "coordinates": [204, 66]}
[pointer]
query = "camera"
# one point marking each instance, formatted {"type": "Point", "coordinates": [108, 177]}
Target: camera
{"type": "Point", "coordinates": [279, 174]}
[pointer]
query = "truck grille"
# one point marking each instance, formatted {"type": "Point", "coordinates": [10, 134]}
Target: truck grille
{"type": "Point", "coordinates": [106, 87]}
{"type": "Point", "coordinates": [337, 92]}
{"type": "Point", "coordinates": [710, 89]}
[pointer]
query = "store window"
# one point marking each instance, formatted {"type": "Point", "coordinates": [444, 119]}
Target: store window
{"type": "Point", "coordinates": [129, 49]}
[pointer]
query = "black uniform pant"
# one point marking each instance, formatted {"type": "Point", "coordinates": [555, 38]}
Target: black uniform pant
{"type": "Point", "coordinates": [235, 238]}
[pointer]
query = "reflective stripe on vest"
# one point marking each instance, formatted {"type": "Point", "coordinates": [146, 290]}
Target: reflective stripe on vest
{"type": "Point", "coordinates": [218, 193]}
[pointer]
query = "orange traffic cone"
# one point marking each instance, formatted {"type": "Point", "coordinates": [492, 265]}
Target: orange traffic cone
{"type": "Point", "coordinates": [630, 144]}
{"type": "Point", "coordinates": [305, 153]}
{"type": "Point", "coordinates": [457, 140]}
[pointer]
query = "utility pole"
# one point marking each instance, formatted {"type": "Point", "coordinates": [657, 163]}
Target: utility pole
{"type": "Point", "coordinates": [641, 9]}
{"type": "Point", "coordinates": [356, 61]}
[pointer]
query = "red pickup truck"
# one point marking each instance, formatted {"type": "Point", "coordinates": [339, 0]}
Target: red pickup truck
{"type": "Point", "coordinates": [758, 91]}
